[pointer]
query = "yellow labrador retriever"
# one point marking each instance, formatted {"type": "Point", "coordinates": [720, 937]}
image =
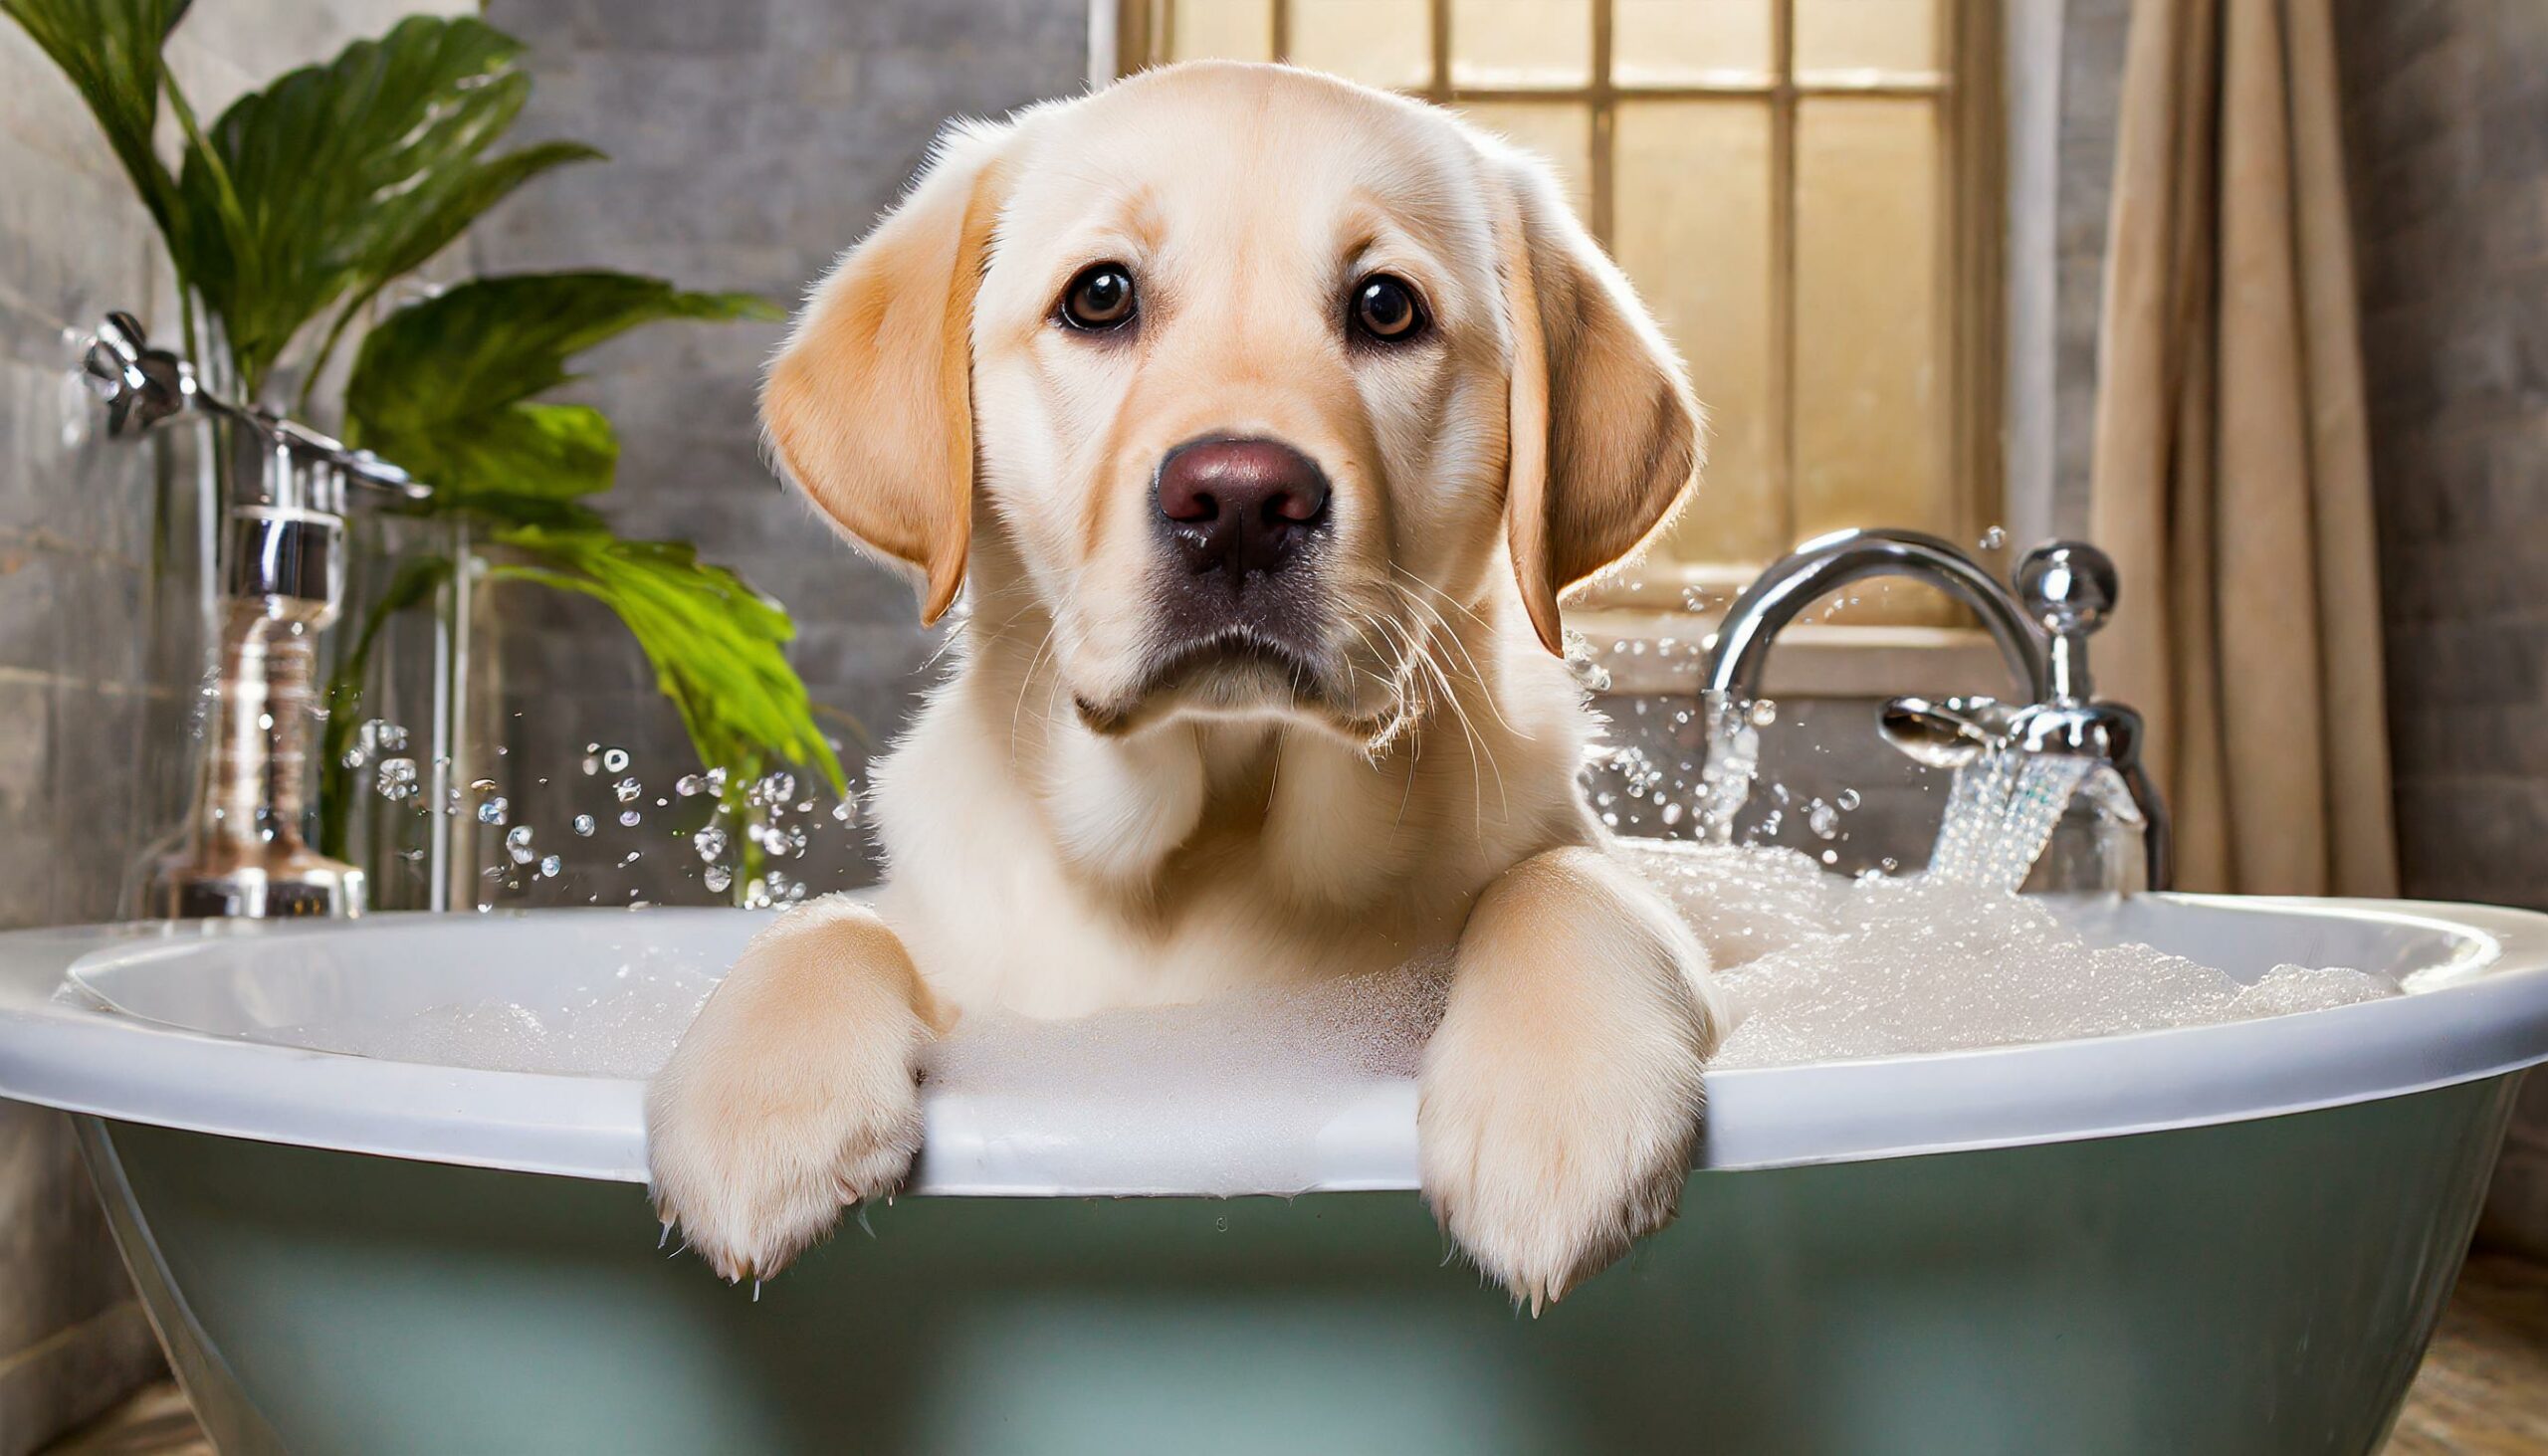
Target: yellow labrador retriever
{"type": "Point", "coordinates": [1266, 417]}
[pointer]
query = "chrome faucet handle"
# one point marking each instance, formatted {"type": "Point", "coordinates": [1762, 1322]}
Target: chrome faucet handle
{"type": "Point", "coordinates": [140, 385]}
{"type": "Point", "coordinates": [1948, 734]}
{"type": "Point", "coordinates": [2067, 589]}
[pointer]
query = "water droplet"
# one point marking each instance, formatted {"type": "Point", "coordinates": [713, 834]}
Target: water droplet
{"type": "Point", "coordinates": [592, 764]}
{"type": "Point", "coordinates": [1765, 711]}
{"type": "Point", "coordinates": [846, 811]}
{"type": "Point", "coordinates": [1993, 539]}
{"type": "Point", "coordinates": [585, 825]}
{"type": "Point", "coordinates": [630, 818]}
{"type": "Point", "coordinates": [1671, 813]}
{"type": "Point", "coordinates": [717, 877]}
{"type": "Point", "coordinates": [627, 790]}
{"type": "Point", "coordinates": [1823, 819]}
{"type": "Point", "coordinates": [710, 842]}
{"type": "Point", "coordinates": [690, 785]}
{"type": "Point", "coordinates": [550, 867]}
{"type": "Point", "coordinates": [482, 785]}
{"type": "Point", "coordinates": [778, 787]}
{"type": "Point", "coordinates": [396, 779]}
{"type": "Point", "coordinates": [517, 844]}
{"type": "Point", "coordinates": [493, 811]}
{"type": "Point", "coordinates": [1848, 800]}
{"type": "Point", "coordinates": [615, 760]}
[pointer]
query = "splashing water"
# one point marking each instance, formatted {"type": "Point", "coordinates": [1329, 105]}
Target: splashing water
{"type": "Point", "coordinates": [768, 815]}
{"type": "Point", "coordinates": [1733, 761]}
{"type": "Point", "coordinates": [1815, 966]}
{"type": "Point", "coordinates": [1999, 816]}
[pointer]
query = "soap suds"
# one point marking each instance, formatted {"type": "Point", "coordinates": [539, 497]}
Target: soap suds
{"type": "Point", "coordinates": [1817, 966]}
{"type": "Point", "coordinates": [1824, 969]}
{"type": "Point", "coordinates": [1243, 1084]}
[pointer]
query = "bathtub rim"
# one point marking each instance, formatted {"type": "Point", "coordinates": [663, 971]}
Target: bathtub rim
{"type": "Point", "coordinates": [2489, 1018]}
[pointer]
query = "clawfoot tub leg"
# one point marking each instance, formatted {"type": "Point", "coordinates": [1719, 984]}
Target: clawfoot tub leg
{"type": "Point", "coordinates": [1561, 1096]}
{"type": "Point", "coordinates": [794, 1094]}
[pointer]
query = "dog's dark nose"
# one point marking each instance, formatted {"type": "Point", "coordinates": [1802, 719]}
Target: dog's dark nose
{"type": "Point", "coordinates": [1240, 507]}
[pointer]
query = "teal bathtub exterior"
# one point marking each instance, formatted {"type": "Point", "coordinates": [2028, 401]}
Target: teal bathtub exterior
{"type": "Point", "coordinates": [2247, 1289]}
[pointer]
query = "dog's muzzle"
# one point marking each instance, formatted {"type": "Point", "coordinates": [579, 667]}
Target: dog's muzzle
{"type": "Point", "coordinates": [1240, 615]}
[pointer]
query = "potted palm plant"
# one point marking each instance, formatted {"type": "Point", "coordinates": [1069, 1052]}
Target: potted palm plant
{"type": "Point", "coordinates": [290, 222]}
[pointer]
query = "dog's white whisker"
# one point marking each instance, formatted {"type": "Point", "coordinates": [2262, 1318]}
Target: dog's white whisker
{"type": "Point", "coordinates": [1027, 680]}
{"type": "Point", "coordinates": [1477, 675]}
{"type": "Point", "coordinates": [1479, 748]}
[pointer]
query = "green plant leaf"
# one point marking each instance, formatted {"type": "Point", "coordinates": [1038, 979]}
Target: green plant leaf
{"type": "Point", "coordinates": [443, 386]}
{"type": "Point", "coordinates": [481, 188]}
{"type": "Point", "coordinates": [338, 178]}
{"type": "Point", "coordinates": [717, 644]}
{"type": "Point", "coordinates": [109, 50]}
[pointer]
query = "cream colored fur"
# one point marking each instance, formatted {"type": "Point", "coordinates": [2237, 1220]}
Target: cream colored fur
{"type": "Point", "coordinates": [1061, 839]}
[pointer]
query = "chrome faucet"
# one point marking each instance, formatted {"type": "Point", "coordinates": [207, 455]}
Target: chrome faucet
{"type": "Point", "coordinates": [280, 582]}
{"type": "Point", "coordinates": [2064, 592]}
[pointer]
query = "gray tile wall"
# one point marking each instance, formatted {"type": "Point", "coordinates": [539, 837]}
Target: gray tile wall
{"type": "Point", "coordinates": [2447, 120]}
{"type": "Point", "coordinates": [75, 695]}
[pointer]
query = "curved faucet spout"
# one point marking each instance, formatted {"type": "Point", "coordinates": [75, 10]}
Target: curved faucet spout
{"type": "Point", "coordinates": [2065, 591]}
{"type": "Point", "coordinates": [1829, 562]}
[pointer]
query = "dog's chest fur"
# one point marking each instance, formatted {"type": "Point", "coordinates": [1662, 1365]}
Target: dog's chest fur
{"type": "Point", "coordinates": [1038, 868]}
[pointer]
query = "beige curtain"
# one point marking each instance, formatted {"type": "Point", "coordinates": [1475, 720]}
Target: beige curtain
{"type": "Point", "coordinates": [2232, 476]}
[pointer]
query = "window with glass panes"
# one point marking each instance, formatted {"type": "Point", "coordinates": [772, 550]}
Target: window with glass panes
{"type": "Point", "coordinates": [1800, 189]}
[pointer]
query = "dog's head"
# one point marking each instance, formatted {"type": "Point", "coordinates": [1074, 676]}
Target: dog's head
{"type": "Point", "coordinates": [1251, 372]}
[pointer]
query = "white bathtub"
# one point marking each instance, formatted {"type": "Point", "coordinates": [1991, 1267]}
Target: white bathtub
{"type": "Point", "coordinates": [2227, 1238]}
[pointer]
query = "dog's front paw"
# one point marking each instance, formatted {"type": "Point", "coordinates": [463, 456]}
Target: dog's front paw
{"type": "Point", "coordinates": [793, 1095]}
{"type": "Point", "coordinates": [1560, 1097]}
{"type": "Point", "coordinates": [1545, 1173]}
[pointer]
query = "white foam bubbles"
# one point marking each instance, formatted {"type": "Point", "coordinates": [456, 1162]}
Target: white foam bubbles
{"type": "Point", "coordinates": [1824, 969]}
{"type": "Point", "coordinates": [1243, 1084]}
{"type": "Point", "coordinates": [1816, 966]}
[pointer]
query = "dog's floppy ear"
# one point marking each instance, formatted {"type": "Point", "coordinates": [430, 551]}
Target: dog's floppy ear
{"type": "Point", "coordinates": [1603, 436]}
{"type": "Point", "coordinates": [870, 404]}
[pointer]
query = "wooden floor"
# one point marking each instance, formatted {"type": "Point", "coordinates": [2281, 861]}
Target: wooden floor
{"type": "Point", "coordinates": [2483, 1391]}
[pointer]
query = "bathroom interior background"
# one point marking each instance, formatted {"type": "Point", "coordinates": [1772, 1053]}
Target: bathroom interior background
{"type": "Point", "coordinates": [753, 139]}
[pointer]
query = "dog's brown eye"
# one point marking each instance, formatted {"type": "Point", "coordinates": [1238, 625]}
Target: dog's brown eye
{"type": "Point", "coordinates": [1101, 297]}
{"type": "Point", "coordinates": [1385, 309]}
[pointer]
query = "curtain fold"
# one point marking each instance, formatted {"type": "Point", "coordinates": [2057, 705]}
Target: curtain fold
{"type": "Point", "coordinates": [2231, 475]}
